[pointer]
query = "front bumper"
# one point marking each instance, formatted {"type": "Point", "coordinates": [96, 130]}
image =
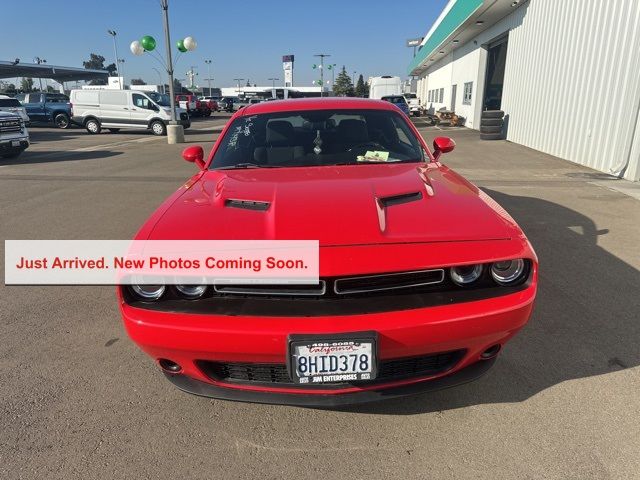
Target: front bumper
{"type": "Point", "coordinates": [7, 146]}
{"type": "Point", "coordinates": [187, 339]}
{"type": "Point", "coordinates": [205, 389]}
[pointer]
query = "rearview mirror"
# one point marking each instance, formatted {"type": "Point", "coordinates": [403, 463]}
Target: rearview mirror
{"type": "Point", "coordinates": [194, 154]}
{"type": "Point", "coordinates": [443, 145]}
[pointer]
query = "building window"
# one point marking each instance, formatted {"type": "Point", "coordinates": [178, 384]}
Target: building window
{"type": "Point", "coordinates": [442, 95]}
{"type": "Point", "coordinates": [466, 97]}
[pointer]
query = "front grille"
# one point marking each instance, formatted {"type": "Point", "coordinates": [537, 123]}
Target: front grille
{"type": "Point", "coordinates": [10, 126]}
{"type": "Point", "coordinates": [387, 281]}
{"type": "Point", "coordinates": [366, 294]}
{"type": "Point", "coordinates": [275, 373]}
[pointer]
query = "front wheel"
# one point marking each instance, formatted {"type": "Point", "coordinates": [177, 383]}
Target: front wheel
{"type": "Point", "coordinates": [93, 126]}
{"type": "Point", "coordinates": [158, 128]}
{"type": "Point", "coordinates": [61, 120]}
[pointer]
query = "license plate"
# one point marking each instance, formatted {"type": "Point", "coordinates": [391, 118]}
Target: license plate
{"type": "Point", "coordinates": [15, 143]}
{"type": "Point", "coordinates": [335, 359]}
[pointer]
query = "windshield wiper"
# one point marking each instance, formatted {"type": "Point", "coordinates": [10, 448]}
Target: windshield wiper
{"type": "Point", "coordinates": [244, 165]}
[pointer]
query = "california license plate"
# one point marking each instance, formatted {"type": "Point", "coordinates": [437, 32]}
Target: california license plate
{"type": "Point", "coordinates": [343, 358]}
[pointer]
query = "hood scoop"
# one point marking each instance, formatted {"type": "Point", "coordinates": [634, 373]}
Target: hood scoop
{"type": "Point", "coordinates": [247, 204]}
{"type": "Point", "coordinates": [400, 199]}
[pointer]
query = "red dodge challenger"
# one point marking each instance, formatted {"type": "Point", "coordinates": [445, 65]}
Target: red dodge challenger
{"type": "Point", "coordinates": [423, 277]}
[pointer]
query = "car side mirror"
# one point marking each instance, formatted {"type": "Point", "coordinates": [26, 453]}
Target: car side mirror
{"type": "Point", "coordinates": [194, 154]}
{"type": "Point", "coordinates": [442, 145]}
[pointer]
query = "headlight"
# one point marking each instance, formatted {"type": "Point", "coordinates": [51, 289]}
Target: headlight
{"type": "Point", "coordinates": [148, 292]}
{"type": "Point", "coordinates": [191, 291]}
{"type": "Point", "coordinates": [508, 272]}
{"type": "Point", "coordinates": [465, 274]}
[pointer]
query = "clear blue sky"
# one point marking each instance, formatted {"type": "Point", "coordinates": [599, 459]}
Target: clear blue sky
{"type": "Point", "coordinates": [245, 39]}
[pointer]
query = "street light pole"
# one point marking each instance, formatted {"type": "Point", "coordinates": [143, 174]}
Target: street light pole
{"type": "Point", "coordinates": [167, 40]}
{"type": "Point", "coordinates": [115, 50]}
{"type": "Point", "coordinates": [159, 78]}
{"type": "Point", "coordinates": [39, 60]}
{"type": "Point", "coordinates": [238, 80]}
{"type": "Point", "coordinates": [322, 55]}
{"type": "Point", "coordinates": [273, 81]}
{"type": "Point", "coordinates": [208, 62]}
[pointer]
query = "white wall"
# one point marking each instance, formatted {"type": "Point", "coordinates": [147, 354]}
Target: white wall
{"type": "Point", "coordinates": [571, 85]}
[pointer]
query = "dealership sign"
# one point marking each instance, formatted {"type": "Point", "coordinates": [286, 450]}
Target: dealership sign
{"type": "Point", "coordinates": [287, 66]}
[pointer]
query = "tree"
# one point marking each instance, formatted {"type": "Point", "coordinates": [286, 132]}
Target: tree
{"type": "Point", "coordinates": [138, 81]}
{"type": "Point", "coordinates": [362, 89]}
{"type": "Point", "coordinates": [26, 85]}
{"type": "Point", "coordinates": [343, 86]}
{"type": "Point", "coordinates": [96, 62]}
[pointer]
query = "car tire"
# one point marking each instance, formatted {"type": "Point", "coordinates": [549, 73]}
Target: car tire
{"type": "Point", "coordinates": [114, 130]}
{"type": "Point", "coordinates": [93, 126]}
{"type": "Point", "coordinates": [61, 120]}
{"type": "Point", "coordinates": [158, 128]}
{"type": "Point", "coordinates": [491, 122]}
{"type": "Point", "coordinates": [491, 136]}
{"type": "Point", "coordinates": [491, 129]}
{"type": "Point", "coordinates": [492, 114]}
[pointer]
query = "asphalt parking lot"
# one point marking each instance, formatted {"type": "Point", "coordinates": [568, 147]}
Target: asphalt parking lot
{"type": "Point", "coordinates": [79, 400]}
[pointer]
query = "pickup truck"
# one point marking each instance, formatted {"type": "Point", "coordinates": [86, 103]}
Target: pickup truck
{"type": "Point", "coordinates": [47, 108]}
{"type": "Point", "coordinates": [193, 105]}
{"type": "Point", "coordinates": [14, 137]}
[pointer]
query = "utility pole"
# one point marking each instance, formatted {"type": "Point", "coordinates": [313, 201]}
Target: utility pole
{"type": "Point", "coordinates": [208, 62]}
{"type": "Point", "coordinates": [322, 55]}
{"type": "Point", "coordinates": [175, 132]}
{"type": "Point", "coordinates": [115, 50]}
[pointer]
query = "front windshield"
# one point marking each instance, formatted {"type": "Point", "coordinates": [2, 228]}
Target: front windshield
{"type": "Point", "coordinates": [317, 138]}
{"type": "Point", "coordinates": [159, 98]}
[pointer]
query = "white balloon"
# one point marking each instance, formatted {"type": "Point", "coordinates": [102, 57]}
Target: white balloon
{"type": "Point", "coordinates": [136, 48]}
{"type": "Point", "coordinates": [190, 44]}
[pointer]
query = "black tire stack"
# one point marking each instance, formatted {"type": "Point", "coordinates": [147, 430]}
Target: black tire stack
{"type": "Point", "coordinates": [491, 125]}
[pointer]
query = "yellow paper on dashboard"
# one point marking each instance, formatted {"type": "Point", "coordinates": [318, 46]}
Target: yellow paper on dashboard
{"type": "Point", "coordinates": [373, 156]}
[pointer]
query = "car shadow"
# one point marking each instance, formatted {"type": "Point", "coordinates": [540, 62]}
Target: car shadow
{"type": "Point", "coordinates": [52, 156]}
{"type": "Point", "coordinates": [585, 320]}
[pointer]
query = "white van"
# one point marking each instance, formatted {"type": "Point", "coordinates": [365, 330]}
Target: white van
{"type": "Point", "coordinates": [116, 109]}
{"type": "Point", "coordinates": [384, 86]}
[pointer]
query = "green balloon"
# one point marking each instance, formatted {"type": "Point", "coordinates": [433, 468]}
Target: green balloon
{"type": "Point", "coordinates": [148, 43]}
{"type": "Point", "coordinates": [313, 66]}
{"type": "Point", "coordinates": [180, 45]}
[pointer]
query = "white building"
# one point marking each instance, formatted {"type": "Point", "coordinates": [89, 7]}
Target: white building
{"type": "Point", "coordinates": [565, 73]}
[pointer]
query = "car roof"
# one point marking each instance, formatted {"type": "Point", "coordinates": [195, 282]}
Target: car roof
{"type": "Point", "coordinates": [327, 103]}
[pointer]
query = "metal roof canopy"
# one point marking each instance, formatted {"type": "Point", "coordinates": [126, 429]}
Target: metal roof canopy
{"type": "Point", "coordinates": [59, 74]}
{"type": "Point", "coordinates": [458, 22]}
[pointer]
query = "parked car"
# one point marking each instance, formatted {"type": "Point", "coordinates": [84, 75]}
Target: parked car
{"type": "Point", "coordinates": [212, 103]}
{"type": "Point", "coordinates": [51, 108]}
{"type": "Point", "coordinates": [13, 105]}
{"type": "Point", "coordinates": [423, 277]}
{"type": "Point", "coordinates": [414, 104]}
{"type": "Point", "coordinates": [399, 101]}
{"type": "Point", "coordinates": [116, 109]}
{"type": "Point", "coordinates": [14, 136]}
{"type": "Point", "coordinates": [193, 105]}
{"type": "Point", "coordinates": [228, 104]}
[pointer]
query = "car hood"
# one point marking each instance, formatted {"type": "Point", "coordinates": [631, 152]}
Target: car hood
{"type": "Point", "coordinates": [341, 205]}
